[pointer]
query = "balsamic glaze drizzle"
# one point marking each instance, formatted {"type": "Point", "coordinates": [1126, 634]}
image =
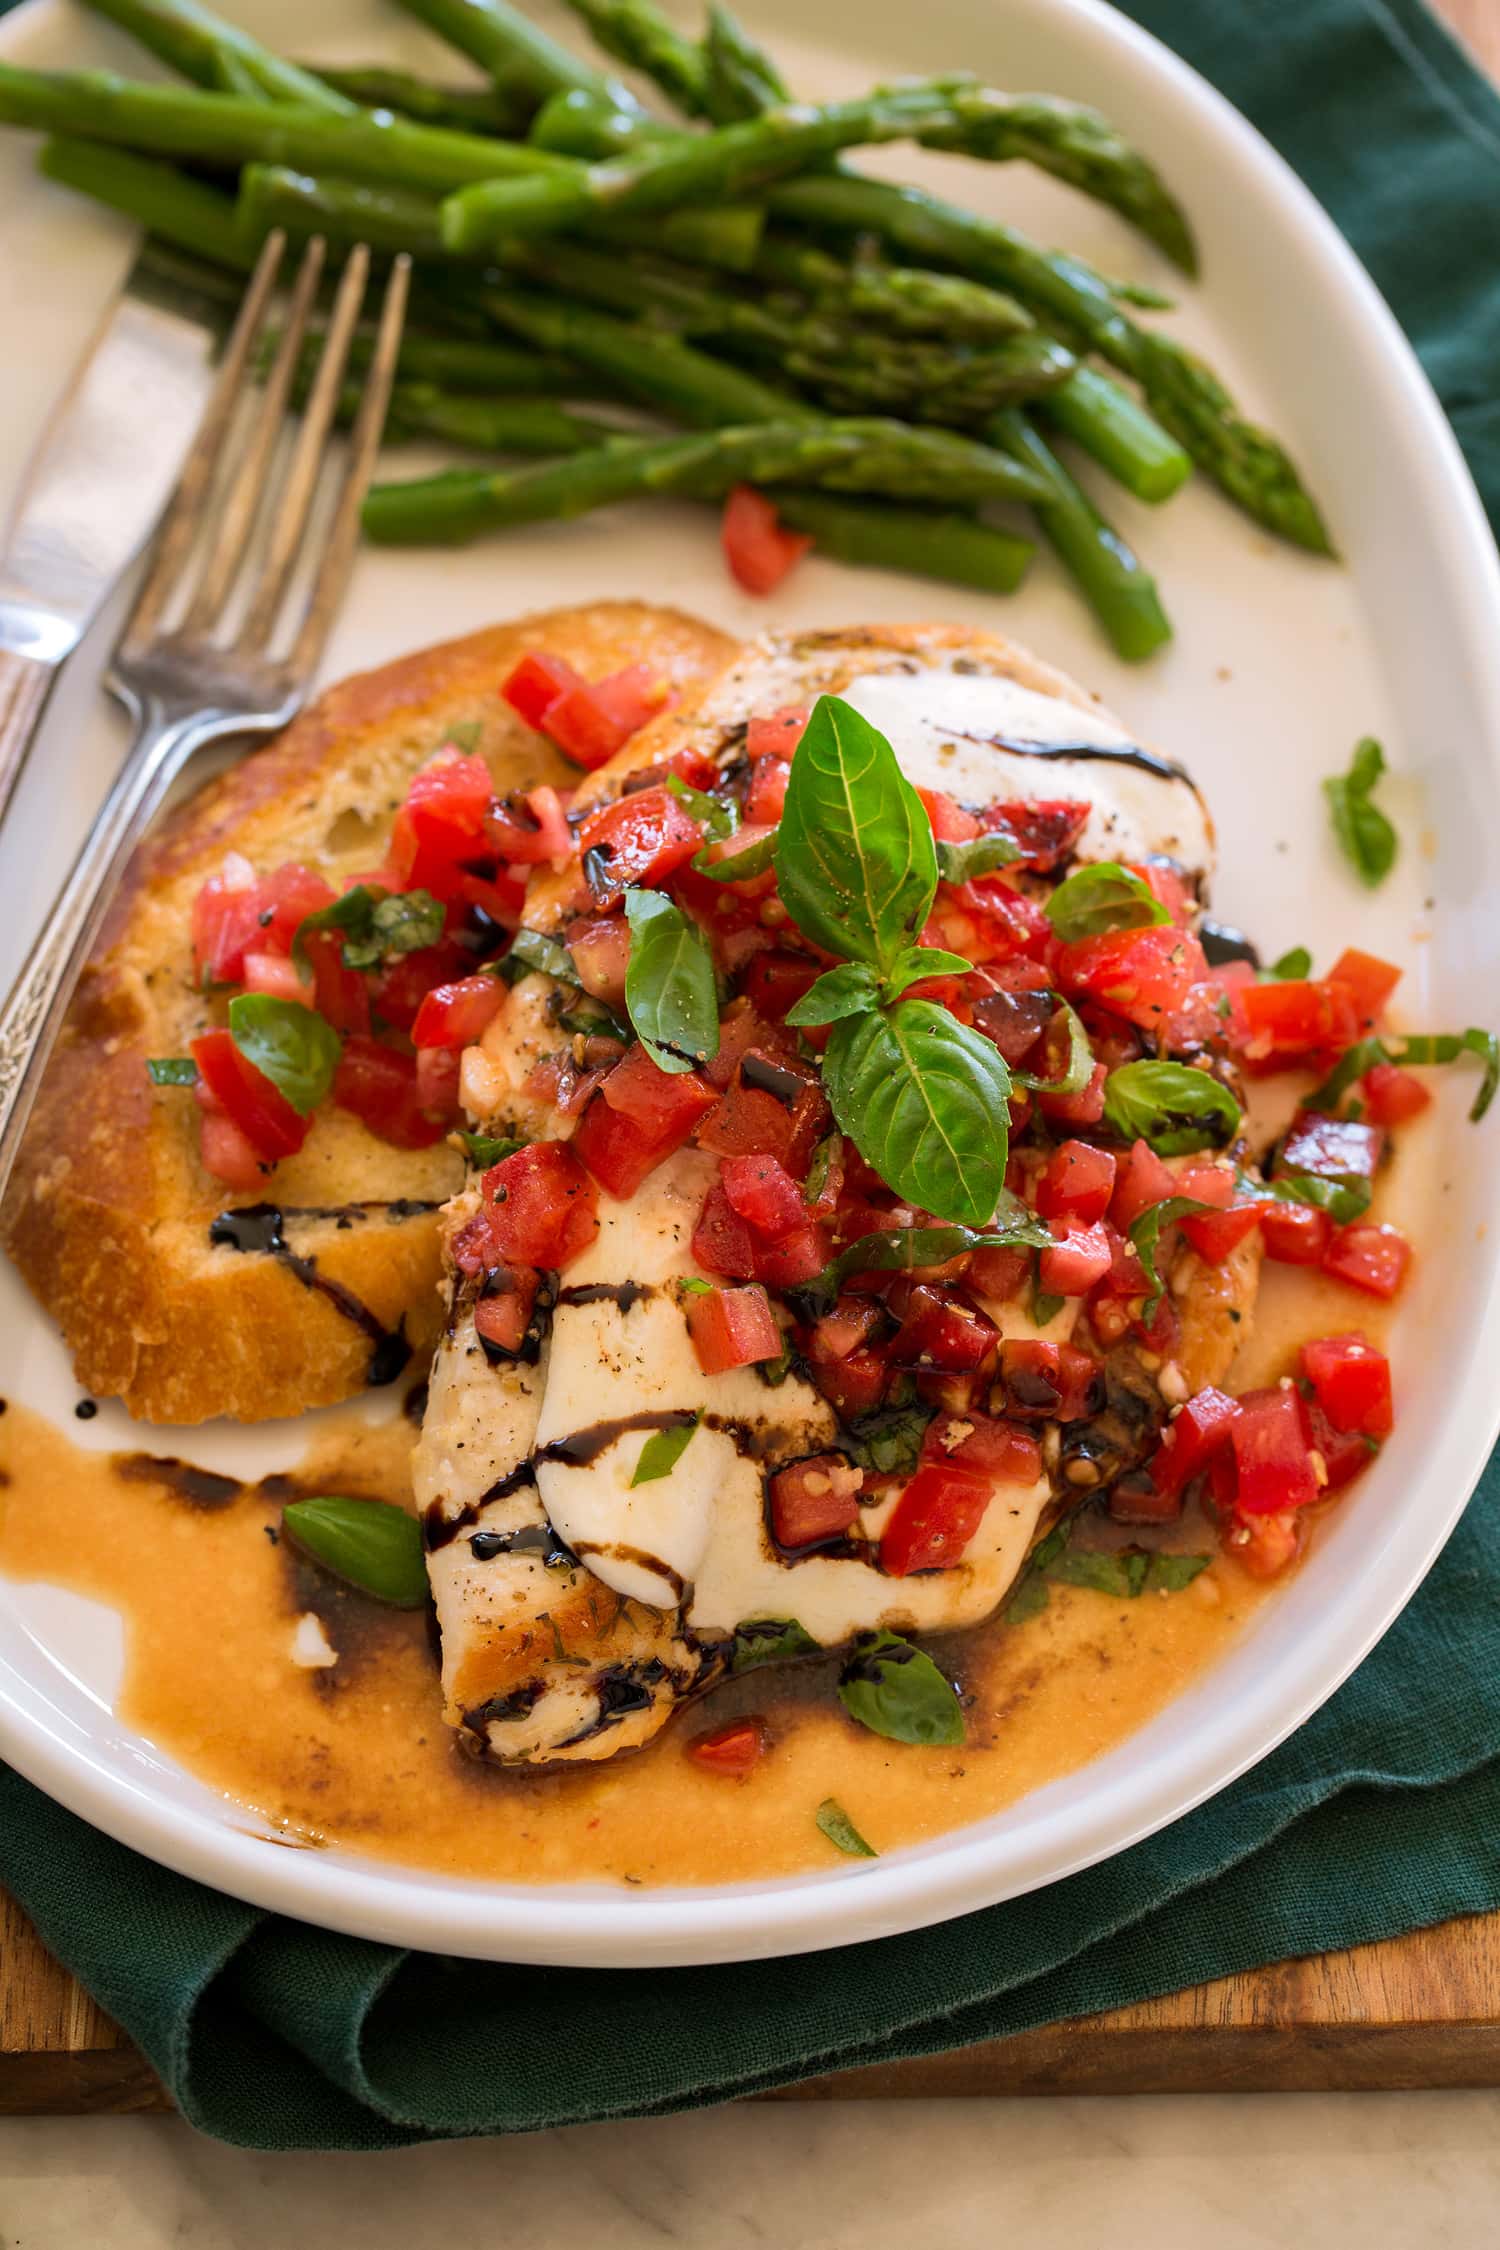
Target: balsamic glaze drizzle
{"type": "Point", "coordinates": [259, 1228]}
{"type": "Point", "coordinates": [1145, 761]}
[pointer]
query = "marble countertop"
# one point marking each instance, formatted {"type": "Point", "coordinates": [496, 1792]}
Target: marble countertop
{"type": "Point", "coordinates": [1245, 2172]}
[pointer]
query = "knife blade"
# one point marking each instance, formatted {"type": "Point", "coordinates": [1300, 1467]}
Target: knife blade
{"type": "Point", "coordinates": [99, 478]}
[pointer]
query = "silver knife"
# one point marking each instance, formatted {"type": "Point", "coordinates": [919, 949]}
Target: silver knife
{"type": "Point", "coordinates": [106, 463]}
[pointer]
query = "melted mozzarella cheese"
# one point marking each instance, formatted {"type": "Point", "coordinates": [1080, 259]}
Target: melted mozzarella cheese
{"type": "Point", "coordinates": [942, 726]}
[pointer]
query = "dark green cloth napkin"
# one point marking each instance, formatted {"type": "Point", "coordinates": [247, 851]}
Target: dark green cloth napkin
{"type": "Point", "coordinates": [1380, 1815]}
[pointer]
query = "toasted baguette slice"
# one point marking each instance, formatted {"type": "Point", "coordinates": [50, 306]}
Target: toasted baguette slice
{"type": "Point", "coordinates": [109, 1211]}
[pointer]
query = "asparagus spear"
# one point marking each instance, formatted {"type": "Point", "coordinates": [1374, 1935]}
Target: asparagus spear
{"type": "Point", "coordinates": [740, 79]}
{"type": "Point", "coordinates": [884, 536]}
{"type": "Point", "coordinates": [484, 425]}
{"type": "Point", "coordinates": [170, 203]}
{"type": "Point", "coordinates": [468, 109]}
{"type": "Point", "coordinates": [521, 60]}
{"type": "Point", "coordinates": [1121, 436]}
{"type": "Point", "coordinates": [1121, 593]}
{"type": "Point", "coordinates": [905, 300]}
{"type": "Point", "coordinates": [219, 55]}
{"type": "Point", "coordinates": [847, 456]}
{"type": "Point", "coordinates": [637, 34]}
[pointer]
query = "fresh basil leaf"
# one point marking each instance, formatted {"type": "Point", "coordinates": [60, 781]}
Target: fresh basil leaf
{"type": "Point", "coordinates": [1079, 1067]}
{"type": "Point", "coordinates": [1101, 898]}
{"type": "Point", "coordinates": [691, 1286]}
{"type": "Point", "coordinates": [840, 1830]}
{"type": "Point", "coordinates": [291, 1045]}
{"type": "Point", "coordinates": [486, 1149]}
{"type": "Point", "coordinates": [1291, 967]}
{"type": "Point", "coordinates": [769, 1640]}
{"type": "Point", "coordinates": [896, 1690]}
{"type": "Point", "coordinates": [981, 855]}
{"type": "Point", "coordinates": [1122, 1574]}
{"type": "Point", "coordinates": [898, 1249]}
{"type": "Point", "coordinates": [1172, 1106]}
{"type": "Point", "coordinates": [848, 990]}
{"type": "Point", "coordinates": [889, 1438]}
{"type": "Point", "coordinates": [371, 1544]}
{"type": "Point", "coordinates": [663, 1450]}
{"type": "Point", "coordinates": [172, 1070]}
{"type": "Point", "coordinates": [1423, 1050]}
{"type": "Point", "coordinates": [820, 1167]}
{"type": "Point", "coordinates": [855, 862]}
{"type": "Point", "coordinates": [530, 951]}
{"type": "Point", "coordinates": [1168, 1574]}
{"type": "Point", "coordinates": [919, 962]}
{"type": "Point", "coordinates": [1365, 835]}
{"type": "Point", "coordinates": [1343, 1200]}
{"type": "Point", "coordinates": [718, 817]}
{"type": "Point", "coordinates": [595, 1020]}
{"type": "Point", "coordinates": [376, 924]}
{"type": "Point", "coordinates": [1045, 1307]}
{"type": "Point", "coordinates": [669, 983]}
{"type": "Point", "coordinates": [1029, 1599]}
{"type": "Point", "coordinates": [774, 1372]}
{"type": "Point", "coordinates": [1146, 1233]}
{"type": "Point", "coordinates": [741, 866]}
{"type": "Point", "coordinates": [923, 1098]}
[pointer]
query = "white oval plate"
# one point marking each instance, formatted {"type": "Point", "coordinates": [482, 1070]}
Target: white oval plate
{"type": "Point", "coordinates": [1280, 663]}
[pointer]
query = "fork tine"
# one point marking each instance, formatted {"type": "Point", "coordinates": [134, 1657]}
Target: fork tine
{"type": "Point", "coordinates": [181, 522]}
{"type": "Point", "coordinates": [295, 501]}
{"type": "Point", "coordinates": [237, 511]}
{"type": "Point", "coordinates": [343, 535]}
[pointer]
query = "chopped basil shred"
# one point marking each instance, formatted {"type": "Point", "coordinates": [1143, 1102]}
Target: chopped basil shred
{"type": "Point", "coordinates": [376, 924]}
{"type": "Point", "coordinates": [896, 1690]}
{"type": "Point", "coordinates": [663, 1450]}
{"type": "Point", "coordinates": [769, 1640]}
{"type": "Point", "coordinates": [980, 855]}
{"type": "Point", "coordinates": [1095, 900]}
{"type": "Point", "coordinates": [1343, 1200]}
{"type": "Point", "coordinates": [371, 1544]}
{"type": "Point", "coordinates": [888, 1439]}
{"type": "Point", "coordinates": [1290, 968]}
{"type": "Point", "coordinates": [1422, 1050]}
{"type": "Point", "coordinates": [669, 983]}
{"type": "Point", "coordinates": [898, 1249]}
{"type": "Point", "coordinates": [822, 1164]}
{"type": "Point", "coordinates": [291, 1045]}
{"type": "Point", "coordinates": [1145, 1237]}
{"type": "Point", "coordinates": [1173, 1107]}
{"type": "Point", "coordinates": [529, 951]}
{"type": "Point", "coordinates": [1367, 838]}
{"type": "Point", "coordinates": [738, 867]}
{"type": "Point", "coordinates": [172, 1070]}
{"type": "Point", "coordinates": [718, 817]}
{"type": "Point", "coordinates": [841, 1831]}
{"type": "Point", "coordinates": [1045, 1307]}
{"type": "Point", "coordinates": [1124, 1573]}
{"type": "Point", "coordinates": [1079, 1067]}
{"type": "Point", "coordinates": [489, 1148]}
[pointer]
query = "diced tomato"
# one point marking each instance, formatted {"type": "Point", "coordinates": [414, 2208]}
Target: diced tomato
{"type": "Point", "coordinates": [227, 1152]}
{"type": "Point", "coordinates": [1271, 1454]}
{"type": "Point", "coordinates": [1345, 1454]}
{"type": "Point", "coordinates": [622, 1149]}
{"type": "Point", "coordinates": [1295, 1018]}
{"type": "Point", "coordinates": [1080, 1386]}
{"type": "Point", "coordinates": [993, 1449]}
{"type": "Point", "coordinates": [455, 1015]}
{"type": "Point", "coordinates": [764, 1193]}
{"type": "Point", "coordinates": [1218, 1234]}
{"type": "Point", "coordinates": [1352, 1382]}
{"type": "Point", "coordinates": [1331, 1148]}
{"type": "Point", "coordinates": [1166, 886]}
{"type": "Point", "coordinates": [850, 1325]}
{"type": "Point", "coordinates": [776, 981]}
{"type": "Point", "coordinates": [1086, 1107]}
{"type": "Point", "coordinates": [592, 720]}
{"type": "Point", "coordinates": [757, 545]}
{"type": "Point", "coordinates": [378, 1085]}
{"type": "Point", "coordinates": [999, 1274]}
{"type": "Point", "coordinates": [1133, 1498]}
{"type": "Point", "coordinates": [722, 1243]}
{"type": "Point", "coordinates": [855, 1385]}
{"type": "Point", "coordinates": [735, 1749]}
{"type": "Point", "coordinates": [539, 1206]}
{"type": "Point", "coordinates": [938, 1329]}
{"type": "Point", "coordinates": [600, 946]}
{"type": "Point", "coordinates": [799, 1255]}
{"type": "Point", "coordinates": [403, 984]}
{"type": "Point", "coordinates": [997, 922]}
{"type": "Point", "coordinates": [778, 735]}
{"type": "Point", "coordinates": [1076, 1182]}
{"type": "Point", "coordinates": [934, 1520]}
{"type": "Point", "coordinates": [637, 839]}
{"type": "Point", "coordinates": [276, 975]}
{"type": "Point", "coordinates": [1265, 1545]}
{"type": "Point", "coordinates": [502, 1313]}
{"type": "Point", "coordinates": [950, 823]}
{"type": "Point", "coordinates": [439, 1072]}
{"type": "Point", "coordinates": [771, 1107]}
{"type": "Point", "coordinates": [284, 899]}
{"type": "Point", "coordinates": [226, 919]}
{"type": "Point", "coordinates": [1191, 1438]}
{"type": "Point", "coordinates": [666, 1104]}
{"type": "Point", "coordinates": [1369, 979]}
{"type": "Point", "coordinates": [1143, 975]}
{"type": "Point", "coordinates": [731, 1328]}
{"type": "Point", "coordinates": [1295, 1234]}
{"type": "Point", "coordinates": [1207, 1183]}
{"type": "Point", "coordinates": [1016, 1020]}
{"type": "Point", "coordinates": [248, 1098]}
{"type": "Point", "coordinates": [1031, 1379]}
{"type": "Point", "coordinates": [814, 1500]}
{"type": "Point", "coordinates": [441, 824]}
{"type": "Point", "coordinates": [1143, 1180]}
{"type": "Point", "coordinates": [1047, 829]}
{"type": "Point", "coordinates": [766, 795]}
{"type": "Point", "coordinates": [1372, 1258]}
{"type": "Point", "coordinates": [526, 830]}
{"type": "Point", "coordinates": [340, 994]}
{"type": "Point", "coordinates": [535, 684]}
{"type": "Point", "coordinates": [1079, 1256]}
{"type": "Point", "coordinates": [1393, 1096]}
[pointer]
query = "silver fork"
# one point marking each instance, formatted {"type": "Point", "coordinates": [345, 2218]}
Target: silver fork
{"type": "Point", "coordinates": [184, 687]}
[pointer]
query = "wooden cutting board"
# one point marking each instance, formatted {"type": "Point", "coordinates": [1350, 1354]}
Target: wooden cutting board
{"type": "Point", "coordinates": [1422, 2010]}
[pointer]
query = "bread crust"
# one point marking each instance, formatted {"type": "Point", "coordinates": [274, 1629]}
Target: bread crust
{"type": "Point", "coordinates": [108, 1212]}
